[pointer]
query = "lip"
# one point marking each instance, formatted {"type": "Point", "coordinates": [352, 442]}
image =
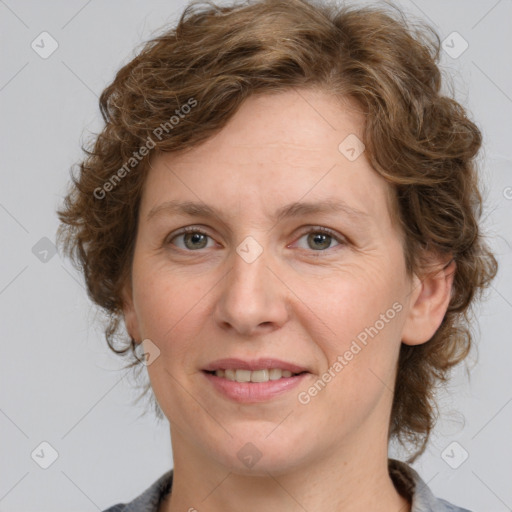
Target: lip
{"type": "Point", "coordinates": [251, 392]}
{"type": "Point", "coordinates": [262, 363]}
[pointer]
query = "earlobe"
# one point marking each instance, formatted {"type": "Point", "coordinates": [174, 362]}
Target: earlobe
{"type": "Point", "coordinates": [130, 317]}
{"type": "Point", "coordinates": [429, 301]}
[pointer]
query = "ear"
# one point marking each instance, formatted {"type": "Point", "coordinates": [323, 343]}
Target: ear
{"type": "Point", "coordinates": [130, 316]}
{"type": "Point", "coordinates": [428, 304]}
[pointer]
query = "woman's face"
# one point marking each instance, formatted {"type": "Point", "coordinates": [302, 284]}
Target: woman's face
{"type": "Point", "coordinates": [258, 287]}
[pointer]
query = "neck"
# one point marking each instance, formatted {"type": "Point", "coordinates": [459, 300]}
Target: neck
{"type": "Point", "coordinates": [348, 482]}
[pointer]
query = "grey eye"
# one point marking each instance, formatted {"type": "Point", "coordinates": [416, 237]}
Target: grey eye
{"type": "Point", "coordinates": [191, 241]}
{"type": "Point", "coordinates": [318, 241]}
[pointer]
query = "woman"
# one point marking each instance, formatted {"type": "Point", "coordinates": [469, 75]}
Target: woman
{"type": "Point", "coordinates": [282, 213]}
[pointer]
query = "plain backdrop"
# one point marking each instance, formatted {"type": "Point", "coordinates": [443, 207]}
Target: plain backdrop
{"type": "Point", "coordinates": [59, 382]}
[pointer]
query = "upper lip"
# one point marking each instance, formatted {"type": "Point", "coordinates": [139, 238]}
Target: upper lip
{"type": "Point", "coordinates": [253, 364]}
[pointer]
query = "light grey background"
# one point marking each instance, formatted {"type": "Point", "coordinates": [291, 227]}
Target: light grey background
{"type": "Point", "coordinates": [60, 383]}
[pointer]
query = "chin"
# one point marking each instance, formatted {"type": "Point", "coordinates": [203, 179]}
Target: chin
{"type": "Point", "coordinates": [265, 466]}
{"type": "Point", "coordinates": [258, 455]}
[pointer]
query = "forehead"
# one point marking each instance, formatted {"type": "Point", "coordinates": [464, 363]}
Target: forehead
{"type": "Point", "coordinates": [277, 149]}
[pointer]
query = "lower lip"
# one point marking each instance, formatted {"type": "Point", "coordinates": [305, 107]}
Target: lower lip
{"type": "Point", "coordinates": [246, 392]}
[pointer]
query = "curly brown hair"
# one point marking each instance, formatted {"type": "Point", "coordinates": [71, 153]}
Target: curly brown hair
{"type": "Point", "coordinates": [418, 138]}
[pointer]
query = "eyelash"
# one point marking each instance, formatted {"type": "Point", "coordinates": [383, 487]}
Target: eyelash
{"type": "Point", "coordinates": [318, 229]}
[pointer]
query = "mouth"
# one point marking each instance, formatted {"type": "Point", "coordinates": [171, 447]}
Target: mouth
{"type": "Point", "coordinates": [265, 375]}
{"type": "Point", "coordinates": [253, 381]}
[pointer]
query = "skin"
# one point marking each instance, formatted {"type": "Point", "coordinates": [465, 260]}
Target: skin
{"type": "Point", "coordinates": [295, 302]}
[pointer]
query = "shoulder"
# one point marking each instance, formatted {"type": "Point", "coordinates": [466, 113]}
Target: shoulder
{"type": "Point", "coordinates": [149, 500]}
{"type": "Point", "coordinates": [409, 483]}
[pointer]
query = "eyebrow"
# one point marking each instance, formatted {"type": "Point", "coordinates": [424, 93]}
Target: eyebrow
{"type": "Point", "coordinates": [291, 210]}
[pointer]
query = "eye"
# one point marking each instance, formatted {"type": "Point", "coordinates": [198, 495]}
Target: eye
{"type": "Point", "coordinates": [320, 239]}
{"type": "Point", "coordinates": [317, 239]}
{"type": "Point", "coordinates": [193, 239]}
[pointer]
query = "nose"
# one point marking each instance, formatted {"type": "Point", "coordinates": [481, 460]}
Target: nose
{"type": "Point", "coordinates": [252, 297]}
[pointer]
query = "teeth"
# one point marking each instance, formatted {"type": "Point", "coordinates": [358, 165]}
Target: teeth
{"type": "Point", "coordinates": [259, 376]}
{"type": "Point", "coordinates": [253, 376]}
{"type": "Point", "coordinates": [243, 376]}
{"type": "Point", "coordinates": [230, 374]}
{"type": "Point", "coordinates": [275, 373]}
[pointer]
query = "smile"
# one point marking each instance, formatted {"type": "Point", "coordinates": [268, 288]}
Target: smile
{"type": "Point", "coordinates": [251, 391]}
{"type": "Point", "coordinates": [241, 375]}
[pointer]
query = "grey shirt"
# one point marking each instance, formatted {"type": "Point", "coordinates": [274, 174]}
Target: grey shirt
{"type": "Point", "coordinates": [407, 482]}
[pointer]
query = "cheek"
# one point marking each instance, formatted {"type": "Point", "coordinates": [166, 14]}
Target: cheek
{"type": "Point", "coordinates": [351, 300]}
{"type": "Point", "coordinates": [171, 312]}
{"type": "Point", "coordinates": [168, 307]}
{"type": "Point", "coordinates": [362, 314]}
